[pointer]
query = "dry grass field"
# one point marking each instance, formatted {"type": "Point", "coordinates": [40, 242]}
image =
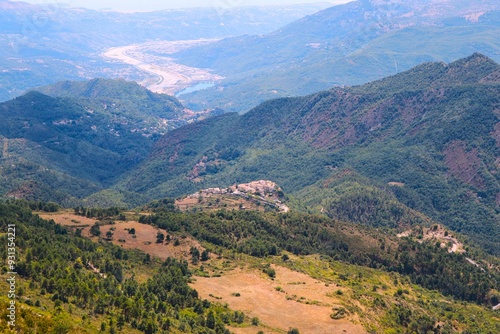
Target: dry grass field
{"type": "Point", "coordinates": [291, 300]}
{"type": "Point", "coordinates": [144, 240]}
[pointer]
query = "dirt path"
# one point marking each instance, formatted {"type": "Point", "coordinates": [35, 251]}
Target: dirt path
{"type": "Point", "coordinates": [171, 77]}
{"type": "Point", "coordinates": [292, 300]}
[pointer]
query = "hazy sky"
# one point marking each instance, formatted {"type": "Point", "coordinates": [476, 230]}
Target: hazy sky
{"type": "Point", "coordinates": [147, 5]}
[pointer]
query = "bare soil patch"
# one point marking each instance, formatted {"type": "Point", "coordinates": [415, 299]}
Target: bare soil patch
{"type": "Point", "coordinates": [464, 164]}
{"type": "Point", "coordinates": [291, 300]}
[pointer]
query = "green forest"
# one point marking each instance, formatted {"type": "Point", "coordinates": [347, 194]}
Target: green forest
{"type": "Point", "coordinates": [70, 284]}
{"type": "Point", "coordinates": [81, 285]}
{"type": "Point", "coordinates": [268, 234]}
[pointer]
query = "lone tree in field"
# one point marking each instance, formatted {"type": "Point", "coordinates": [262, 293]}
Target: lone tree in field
{"type": "Point", "coordinates": [95, 230]}
{"type": "Point", "coordinates": [160, 237]}
{"type": "Point", "coordinates": [205, 255]}
{"type": "Point", "coordinates": [195, 254]}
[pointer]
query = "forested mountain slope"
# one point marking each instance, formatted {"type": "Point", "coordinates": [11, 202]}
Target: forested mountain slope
{"type": "Point", "coordinates": [124, 99]}
{"type": "Point", "coordinates": [68, 284]}
{"type": "Point", "coordinates": [77, 277]}
{"type": "Point", "coordinates": [426, 138]}
{"type": "Point", "coordinates": [67, 147]}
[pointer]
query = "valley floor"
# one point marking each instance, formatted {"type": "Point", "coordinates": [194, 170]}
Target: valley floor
{"type": "Point", "coordinates": [168, 76]}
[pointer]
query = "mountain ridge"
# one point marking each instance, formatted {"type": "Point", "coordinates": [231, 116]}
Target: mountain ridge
{"type": "Point", "coordinates": [401, 133]}
{"type": "Point", "coordinates": [86, 134]}
{"type": "Point", "coordinates": [427, 129]}
{"type": "Point", "coordinates": [444, 74]}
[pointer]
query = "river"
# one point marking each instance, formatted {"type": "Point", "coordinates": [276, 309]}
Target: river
{"type": "Point", "coordinates": [153, 58]}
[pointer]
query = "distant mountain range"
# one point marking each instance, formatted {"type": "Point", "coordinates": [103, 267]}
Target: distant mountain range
{"type": "Point", "coordinates": [343, 45]}
{"type": "Point", "coordinates": [349, 44]}
{"type": "Point", "coordinates": [44, 44]}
